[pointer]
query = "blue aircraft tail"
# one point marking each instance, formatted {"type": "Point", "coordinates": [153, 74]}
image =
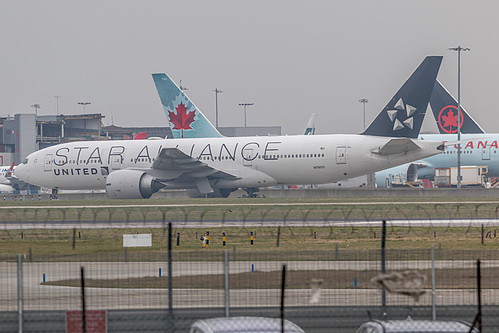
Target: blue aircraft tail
{"type": "Point", "coordinates": [444, 108]}
{"type": "Point", "coordinates": [310, 129]}
{"type": "Point", "coordinates": [404, 113]}
{"type": "Point", "coordinates": [185, 119]}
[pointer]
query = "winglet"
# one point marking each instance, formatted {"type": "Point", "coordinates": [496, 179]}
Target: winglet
{"type": "Point", "coordinates": [404, 113]}
{"type": "Point", "coordinates": [185, 119]}
{"type": "Point", "coordinates": [444, 108]}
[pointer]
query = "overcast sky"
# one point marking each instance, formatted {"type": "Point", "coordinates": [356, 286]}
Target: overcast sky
{"type": "Point", "coordinates": [289, 58]}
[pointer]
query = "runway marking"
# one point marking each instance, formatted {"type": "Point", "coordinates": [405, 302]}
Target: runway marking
{"type": "Point", "coordinates": [266, 204]}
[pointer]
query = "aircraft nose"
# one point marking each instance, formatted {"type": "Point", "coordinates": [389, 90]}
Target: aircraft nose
{"type": "Point", "coordinates": [21, 172]}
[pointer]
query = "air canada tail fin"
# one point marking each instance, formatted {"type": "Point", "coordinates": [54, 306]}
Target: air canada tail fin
{"type": "Point", "coordinates": [140, 136]}
{"type": "Point", "coordinates": [404, 113]}
{"type": "Point", "coordinates": [444, 108]}
{"type": "Point", "coordinates": [185, 119]}
{"type": "Point", "coordinates": [310, 130]}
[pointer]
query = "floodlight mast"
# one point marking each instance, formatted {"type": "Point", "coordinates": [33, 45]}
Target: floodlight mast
{"type": "Point", "coordinates": [84, 104]}
{"type": "Point", "coordinates": [217, 91]}
{"type": "Point", "coordinates": [245, 105]}
{"type": "Point", "coordinates": [364, 101]}
{"type": "Point", "coordinates": [459, 49]}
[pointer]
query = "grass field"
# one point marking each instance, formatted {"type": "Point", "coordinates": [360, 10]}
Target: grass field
{"type": "Point", "coordinates": [109, 240]}
{"type": "Point", "coordinates": [291, 239]}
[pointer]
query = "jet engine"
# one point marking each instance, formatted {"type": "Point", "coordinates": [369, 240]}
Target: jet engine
{"type": "Point", "coordinates": [131, 184]}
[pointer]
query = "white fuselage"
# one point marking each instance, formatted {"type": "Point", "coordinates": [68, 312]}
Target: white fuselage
{"type": "Point", "coordinates": [257, 161]}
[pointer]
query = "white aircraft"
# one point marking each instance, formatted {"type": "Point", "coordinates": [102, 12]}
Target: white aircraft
{"type": "Point", "coordinates": [5, 178]}
{"type": "Point", "coordinates": [216, 165]}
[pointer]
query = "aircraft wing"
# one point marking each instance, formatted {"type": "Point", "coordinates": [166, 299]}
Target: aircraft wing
{"type": "Point", "coordinates": [174, 165]}
{"type": "Point", "coordinates": [396, 146]}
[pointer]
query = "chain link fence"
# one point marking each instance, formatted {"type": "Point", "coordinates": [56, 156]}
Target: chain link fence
{"type": "Point", "coordinates": [222, 265]}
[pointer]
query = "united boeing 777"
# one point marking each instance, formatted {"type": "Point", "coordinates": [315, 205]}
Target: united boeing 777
{"type": "Point", "coordinates": [215, 165]}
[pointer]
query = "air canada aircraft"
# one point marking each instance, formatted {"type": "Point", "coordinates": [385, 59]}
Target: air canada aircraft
{"type": "Point", "coordinates": [479, 149]}
{"type": "Point", "coordinates": [215, 166]}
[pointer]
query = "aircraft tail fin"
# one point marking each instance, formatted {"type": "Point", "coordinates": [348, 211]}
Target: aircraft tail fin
{"type": "Point", "coordinates": [310, 130]}
{"type": "Point", "coordinates": [8, 173]}
{"type": "Point", "coordinates": [403, 115]}
{"type": "Point", "coordinates": [185, 119]}
{"type": "Point", "coordinates": [140, 136]}
{"type": "Point", "coordinates": [444, 108]}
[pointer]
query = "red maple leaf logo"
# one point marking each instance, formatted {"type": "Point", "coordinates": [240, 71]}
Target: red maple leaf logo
{"type": "Point", "coordinates": [182, 119]}
{"type": "Point", "coordinates": [447, 119]}
{"type": "Point", "coordinates": [450, 119]}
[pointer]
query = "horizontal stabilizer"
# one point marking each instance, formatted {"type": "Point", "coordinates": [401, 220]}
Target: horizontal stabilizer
{"type": "Point", "coordinates": [396, 146]}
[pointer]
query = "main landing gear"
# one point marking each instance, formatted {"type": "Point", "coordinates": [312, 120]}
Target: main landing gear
{"type": "Point", "coordinates": [54, 193]}
{"type": "Point", "coordinates": [252, 193]}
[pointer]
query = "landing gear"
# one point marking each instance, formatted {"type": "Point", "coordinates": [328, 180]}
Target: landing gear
{"type": "Point", "coordinates": [54, 193]}
{"type": "Point", "coordinates": [251, 193]}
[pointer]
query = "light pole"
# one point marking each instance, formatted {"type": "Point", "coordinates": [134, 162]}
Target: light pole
{"type": "Point", "coordinates": [459, 49]}
{"type": "Point", "coordinates": [36, 106]}
{"type": "Point", "coordinates": [245, 105]}
{"type": "Point", "coordinates": [57, 104]}
{"type": "Point", "coordinates": [217, 91]}
{"type": "Point", "coordinates": [364, 101]}
{"type": "Point", "coordinates": [84, 104]}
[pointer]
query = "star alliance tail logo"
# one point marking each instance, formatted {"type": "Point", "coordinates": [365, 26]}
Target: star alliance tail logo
{"type": "Point", "coordinates": [447, 119]}
{"type": "Point", "coordinates": [409, 111]}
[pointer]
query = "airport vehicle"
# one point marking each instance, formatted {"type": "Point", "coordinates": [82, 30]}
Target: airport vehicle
{"type": "Point", "coordinates": [479, 149]}
{"type": "Point", "coordinates": [471, 176]}
{"type": "Point", "coordinates": [415, 326]}
{"type": "Point", "coordinates": [243, 325]}
{"type": "Point", "coordinates": [215, 166]}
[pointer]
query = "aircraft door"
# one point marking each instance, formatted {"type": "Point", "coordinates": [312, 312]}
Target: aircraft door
{"type": "Point", "coordinates": [341, 155]}
{"type": "Point", "coordinates": [486, 153]}
{"type": "Point", "coordinates": [248, 157]}
{"type": "Point", "coordinates": [48, 162]}
{"type": "Point", "coordinates": [116, 162]}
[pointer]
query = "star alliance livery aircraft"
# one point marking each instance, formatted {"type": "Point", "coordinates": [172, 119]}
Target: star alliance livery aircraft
{"type": "Point", "coordinates": [480, 149]}
{"type": "Point", "coordinates": [215, 165]}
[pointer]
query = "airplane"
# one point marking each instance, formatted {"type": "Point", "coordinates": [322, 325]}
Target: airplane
{"type": "Point", "coordinates": [5, 174]}
{"type": "Point", "coordinates": [216, 166]}
{"type": "Point", "coordinates": [481, 148]}
{"type": "Point", "coordinates": [10, 183]}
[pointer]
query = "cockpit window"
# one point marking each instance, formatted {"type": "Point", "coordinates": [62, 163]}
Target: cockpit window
{"type": "Point", "coordinates": [25, 161]}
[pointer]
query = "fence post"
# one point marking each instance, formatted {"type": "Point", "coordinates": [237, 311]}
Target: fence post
{"type": "Point", "coordinates": [482, 233]}
{"type": "Point", "coordinates": [20, 297]}
{"type": "Point", "coordinates": [433, 302]}
{"type": "Point", "coordinates": [383, 268]}
{"type": "Point", "coordinates": [226, 283]}
{"type": "Point", "coordinates": [83, 305]}
{"type": "Point", "coordinates": [278, 235]}
{"type": "Point", "coordinates": [170, 281]}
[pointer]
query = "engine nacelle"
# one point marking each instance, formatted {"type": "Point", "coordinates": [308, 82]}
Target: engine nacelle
{"type": "Point", "coordinates": [131, 184]}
